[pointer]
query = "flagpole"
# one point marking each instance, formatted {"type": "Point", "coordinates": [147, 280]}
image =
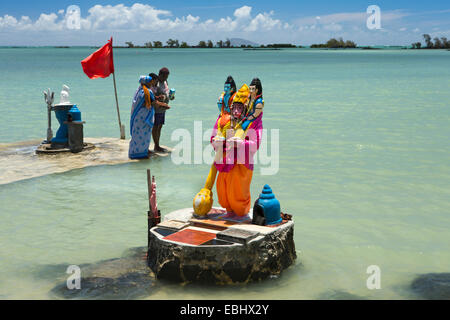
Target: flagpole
{"type": "Point", "coordinates": [121, 128]}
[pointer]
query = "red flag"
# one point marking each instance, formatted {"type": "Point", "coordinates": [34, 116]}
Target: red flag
{"type": "Point", "coordinates": [100, 64]}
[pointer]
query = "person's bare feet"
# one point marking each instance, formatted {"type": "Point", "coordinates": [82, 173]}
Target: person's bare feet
{"type": "Point", "coordinates": [159, 149]}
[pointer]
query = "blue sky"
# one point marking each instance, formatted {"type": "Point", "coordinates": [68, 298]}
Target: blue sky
{"type": "Point", "coordinates": [262, 21]}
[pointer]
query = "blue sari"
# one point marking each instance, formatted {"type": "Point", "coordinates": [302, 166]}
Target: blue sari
{"type": "Point", "coordinates": [141, 124]}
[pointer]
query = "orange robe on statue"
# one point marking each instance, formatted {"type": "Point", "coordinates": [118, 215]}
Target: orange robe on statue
{"type": "Point", "coordinates": [233, 189]}
{"type": "Point", "coordinates": [236, 171]}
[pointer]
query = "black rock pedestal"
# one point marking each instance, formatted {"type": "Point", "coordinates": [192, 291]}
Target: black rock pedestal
{"type": "Point", "coordinates": [219, 261]}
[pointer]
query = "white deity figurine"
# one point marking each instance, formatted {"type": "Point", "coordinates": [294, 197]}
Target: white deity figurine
{"type": "Point", "coordinates": [64, 98]}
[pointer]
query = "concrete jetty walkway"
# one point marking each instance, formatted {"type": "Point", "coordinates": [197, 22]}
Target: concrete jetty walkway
{"type": "Point", "coordinates": [19, 161]}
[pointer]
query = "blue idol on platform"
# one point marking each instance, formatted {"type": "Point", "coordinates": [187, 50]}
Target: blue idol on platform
{"type": "Point", "coordinates": [64, 111]}
{"type": "Point", "coordinates": [268, 206]}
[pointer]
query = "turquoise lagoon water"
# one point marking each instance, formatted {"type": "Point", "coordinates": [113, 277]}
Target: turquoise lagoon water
{"type": "Point", "coordinates": [364, 165]}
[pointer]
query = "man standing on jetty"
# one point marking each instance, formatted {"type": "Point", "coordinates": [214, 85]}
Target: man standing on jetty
{"type": "Point", "coordinates": [162, 94]}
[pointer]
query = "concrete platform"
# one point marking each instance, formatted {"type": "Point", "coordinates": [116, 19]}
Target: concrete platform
{"type": "Point", "coordinates": [214, 251]}
{"type": "Point", "coordinates": [19, 160]}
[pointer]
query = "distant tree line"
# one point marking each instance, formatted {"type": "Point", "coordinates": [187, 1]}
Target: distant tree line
{"type": "Point", "coordinates": [439, 43]}
{"type": "Point", "coordinates": [334, 43]}
{"type": "Point", "coordinates": [174, 43]}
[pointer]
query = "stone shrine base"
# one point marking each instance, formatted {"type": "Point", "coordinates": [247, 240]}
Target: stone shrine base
{"type": "Point", "coordinates": [45, 148]}
{"type": "Point", "coordinates": [214, 251]}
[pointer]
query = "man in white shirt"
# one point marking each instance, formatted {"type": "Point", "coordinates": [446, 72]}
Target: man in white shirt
{"type": "Point", "coordinates": [162, 94]}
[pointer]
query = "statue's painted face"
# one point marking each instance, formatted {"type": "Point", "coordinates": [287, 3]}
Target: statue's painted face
{"type": "Point", "coordinates": [253, 90]}
{"type": "Point", "coordinates": [227, 88]}
{"type": "Point", "coordinates": [237, 110]}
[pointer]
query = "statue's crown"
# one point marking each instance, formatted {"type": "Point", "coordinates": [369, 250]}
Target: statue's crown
{"type": "Point", "coordinates": [242, 95]}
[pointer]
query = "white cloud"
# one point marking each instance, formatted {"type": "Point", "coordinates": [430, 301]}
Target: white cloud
{"type": "Point", "coordinates": [47, 22]}
{"type": "Point", "coordinates": [141, 22]}
{"type": "Point", "coordinates": [263, 22]}
{"type": "Point", "coordinates": [146, 18]}
{"type": "Point", "coordinates": [121, 17]}
{"type": "Point", "coordinates": [243, 12]}
{"type": "Point", "coordinates": [9, 22]}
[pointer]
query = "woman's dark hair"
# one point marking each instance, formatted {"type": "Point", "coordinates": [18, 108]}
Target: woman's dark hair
{"type": "Point", "coordinates": [230, 80]}
{"type": "Point", "coordinates": [154, 76]}
{"type": "Point", "coordinates": [257, 83]}
{"type": "Point", "coordinates": [164, 71]}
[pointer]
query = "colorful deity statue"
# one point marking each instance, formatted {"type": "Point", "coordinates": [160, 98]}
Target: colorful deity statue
{"type": "Point", "coordinates": [226, 123]}
{"type": "Point", "coordinates": [226, 98]}
{"type": "Point", "coordinates": [223, 103]}
{"type": "Point", "coordinates": [253, 108]}
{"type": "Point", "coordinates": [234, 160]}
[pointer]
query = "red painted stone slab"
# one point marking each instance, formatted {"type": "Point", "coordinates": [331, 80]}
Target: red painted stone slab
{"type": "Point", "coordinates": [190, 236]}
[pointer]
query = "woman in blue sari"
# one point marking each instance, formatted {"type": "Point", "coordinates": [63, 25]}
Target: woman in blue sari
{"type": "Point", "coordinates": [142, 118]}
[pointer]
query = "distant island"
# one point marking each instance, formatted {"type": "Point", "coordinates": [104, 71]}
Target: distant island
{"type": "Point", "coordinates": [439, 43]}
{"type": "Point", "coordinates": [237, 43]}
{"type": "Point", "coordinates": [175, 43]}
{"type": "Point", "coordinates": [228, 43]}
{"type": "Point", "coordinates": [333, 43]}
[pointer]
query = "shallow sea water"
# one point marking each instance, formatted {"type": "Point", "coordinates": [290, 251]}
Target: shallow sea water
{"type": "Point", "coordinates": [363, 168]}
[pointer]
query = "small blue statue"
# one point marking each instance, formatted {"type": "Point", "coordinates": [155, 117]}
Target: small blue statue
{"type": "Point", "coordinates": [64, 111]}
{"type": "Point", "coordinates": [266, 210]}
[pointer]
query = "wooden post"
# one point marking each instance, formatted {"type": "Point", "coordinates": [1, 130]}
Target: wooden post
{"type": "Point", "coordinates": [149, 184]}
{"type": "Point", "coordinates": [150, 222]}
{"type": "Point", "coordinates": [121, 128]}
{"type": "Point", "coordinates": [153, 218]}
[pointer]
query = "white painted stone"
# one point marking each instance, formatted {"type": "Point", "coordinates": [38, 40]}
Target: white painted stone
{"type": "Point", "coordinates": [203, 229]}
{"type": "Point", "coordinates": [181, 215]}
{"type": "Point", "coordinates": [173, 224]}
{"type": "Point", "coordinates": [253, 227]}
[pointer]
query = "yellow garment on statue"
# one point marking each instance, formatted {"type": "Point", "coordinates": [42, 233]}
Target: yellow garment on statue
{"type": "Point", "coordinates": [222, 130]}
{"type": "Point", "coordinates": [239, 132]}
{"type": "Point", "coordinates": [233, 189]}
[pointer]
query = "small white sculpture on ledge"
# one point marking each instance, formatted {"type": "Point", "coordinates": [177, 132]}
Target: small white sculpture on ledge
{"type": "Point", "coordinates": [64, 97]}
